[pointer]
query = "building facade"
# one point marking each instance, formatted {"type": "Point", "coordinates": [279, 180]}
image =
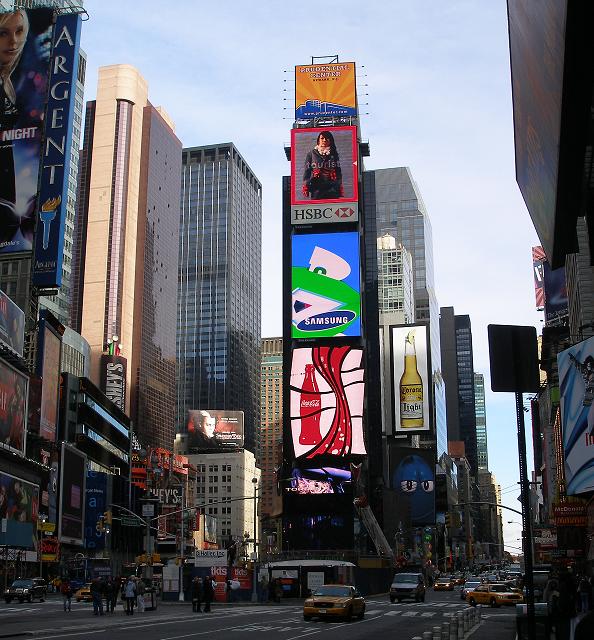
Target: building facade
{"type": "Point", "coordinates": [395, 278]}
{"type": "Point", "coordinates": [481, 421]}
{"type": "Point", "coordinates": [132, 165]}
{"type": "Point", "coordinates": [219, 280]}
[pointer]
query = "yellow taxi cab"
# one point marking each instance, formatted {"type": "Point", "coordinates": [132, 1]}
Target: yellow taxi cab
{"type": "Point", "coordinates": [444, 584]}
{"type": "Point", "coordinates": [84, 593]}
{"type": "Point", "coordinates": [334, 601]}
{"type": "Point", "coordinates": [494, 595]}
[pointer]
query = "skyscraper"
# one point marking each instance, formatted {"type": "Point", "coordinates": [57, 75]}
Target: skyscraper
{"type": "Point", "coordinates": [128, 255]}
{"type": "Point", "coordinates": [395, 279]}
{"type": "Point", "coordinates": [458, 373]}
{"type": "Point", "coordinates": [219, 305]}
{"type": "Point", "coordinates": [481, 421]}
{"type": "Point", "coordinates": [393, 199]}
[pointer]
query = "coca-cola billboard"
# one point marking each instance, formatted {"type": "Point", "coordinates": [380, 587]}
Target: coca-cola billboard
{"type": "Point", "coordinates": [326, 402]}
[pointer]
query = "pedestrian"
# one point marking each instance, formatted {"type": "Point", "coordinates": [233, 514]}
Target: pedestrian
{"type": "Point", "coordinates": [228, 590]}
{"type": "Point", "coordinates": [197, 595]}
{"type": "Point", "coordinates": [109, 587]}
{"type": "Point", "coordinates": [140, 591]}
{"type": "Point", "coordinates": [584, 590]}
{"type": "Point", "coordinates": [130, 596]}
{"type": "Point", "coordinates": [116, 586]}
{"type": "Point", "coordinates": [97, 596]}
{"type": "Point", "coordinates": [263, 587]}
{"type": "Point", "coordinates": [278, 590]}
{"type": "Point", "coordinates": [207, 593]}
{"type": "Point", "coordinates": [271, 584]}
{"type": "Point", "coordinates": [66, 591]}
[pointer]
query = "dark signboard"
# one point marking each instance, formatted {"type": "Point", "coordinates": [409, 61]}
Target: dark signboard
{"type": "Point", "coordinates": [25, 69]}
{"type": "Point", "coordinates": [113, 379]}
{"type": "Point", "coordinates": [19, 502]}
{"type": "Point", "coordinates": [96, 506]}
{"type": "Point", "coordinates": [214, 429]}
{"type": "Point", "coordinates": [556, 303]}
{"type": "Point", "coordinates": [48, 366]}
{"type": "Point", "coordinates": [12, 324]}
{"type": "Point", "coordinates": [73, 471]}
{"type": "Point", "coordinates": [55, 168]}
{"type": "Point", "coordinates": [13, 408]}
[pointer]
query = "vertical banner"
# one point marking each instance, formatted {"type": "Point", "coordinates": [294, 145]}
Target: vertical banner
{"type": "Point", "coordinates": [538, 260]}
{"type": "Point", "coordinates": [73, 471]}
{"type": "Point", "coordinates": [13, 408]}
{"type": "Point", "coordinates": [48, 366]}
{"type": "Point", "coordinates": [55, 168]}
{"type": "Point", "coordinates": [113, 379]}
{"type": "Point", "coordinates": [96, 506]}
{"type": "Point", "coordinates": [23, 91]}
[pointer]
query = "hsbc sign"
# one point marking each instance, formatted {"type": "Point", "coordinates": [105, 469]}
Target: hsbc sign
{"type": "Point", "coordinates": [325, 213]}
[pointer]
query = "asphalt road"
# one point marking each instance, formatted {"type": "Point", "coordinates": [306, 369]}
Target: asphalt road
{"type": "Point", "coordinates": [175, 621]}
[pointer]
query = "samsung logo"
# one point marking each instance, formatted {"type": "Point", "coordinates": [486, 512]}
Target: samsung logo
{"type": "Point", "coordinates": [326, 320]}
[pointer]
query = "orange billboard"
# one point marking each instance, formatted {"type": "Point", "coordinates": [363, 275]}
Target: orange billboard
{"type": "Point", "coordinates": [325, 90]}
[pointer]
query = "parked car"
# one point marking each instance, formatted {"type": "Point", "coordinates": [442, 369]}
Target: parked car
{"type": "Point", "coordinates": [444, 584]}
{"type": "Point", "coordinates": [334, 601]}
{"type": "Point", "coordinates": [26, 589]}
{"type": "Point", "coordinates": [494, 595]}
{"type": "Point", "coordinates": [407, 585]}
{"type": "Point", "coordinates": [469, 585]}
{"type": "Point", "coordinates": [84, 594]}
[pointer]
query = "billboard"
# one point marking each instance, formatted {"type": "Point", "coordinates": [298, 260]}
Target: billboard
{"type": "Point", "coordinates": [538, 260]}
{"type": "Point", "coordinates": [56, 159]}
{"type": "Point", "coordinates": [412, 477]}
{"type": "Point", "coordinates": [326, 293]}
{"type": "Point", "coordinates": [73, 471]}
{"type": "Point", "coordinates": [324, 171]}
{"type": "Point", "coordinates": [96, 505]}
{"type": "Point", "coordinates": [19, 503]}
{"type": "Point", "coordinates": [325, 90]}
{"type": "Point", "coordinates": [22, 95]}
{"type": "Point", "coordinates": [210, 529]}
{"type": "Point", "coordinates": [13, 408]}
{"type": "Point", "coordinates": [576, 386]}
{"type": "Point", "coordinates": [12, 324]}
{"type": "Point", "coordinates": [214, 429]}
{"type": "Point", "coordinates": [320, 480]}
{"type": "Point", "coordinates": [326, 402]}
{"type": "Point", "coordinates": [113, 379]}
{"type": "Point", "coordinates": [556, 303]}
{"type": "Point", "coordinates": [411, 382]}
{"type": "Point", "coordinates": [49, 368]}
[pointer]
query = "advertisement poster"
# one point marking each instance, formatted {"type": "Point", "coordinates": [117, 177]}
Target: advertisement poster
{"type": "Point", "coordinates": [12, 324]}
{"type": "Point", "coordinates": [210, 529]}
{"type": "Point", "coordinates": [325, 90]}
{"type": "Point", "coordinates": [556, 303]}
{"type": "Point", "coordinates": [326, 408]}
{"type": "Point", "coordinates": [324, 166]}
{"type": "Point", "coordinates": [326, 294]}
{"type": "Point", "coordinates": [213, 429]}
{"type": "Point", "coordinates": [24, 92]}
{"type": "Point", "coordinates": [576, 386]}
{"type": "Point", "coordinates": [55, 163]}
{"type": "Point", "coordinates": [538, 260]}
{"type": "Point", "coordinates": [19, 503]}
{"type": "Point", "coordinates": [73, 471]}
{"type": "Point", "coordinates": [96, 499]}
{"type": "Point", "coordinates": [50, 374]}
{"type": "Point", "coordinates": [412, 477]}
{"type": "Point", "coordinates": [13, 408]}
{"type": "Point", "coordinates": [410, 378]}
{"type": "Point", "coordinates": [321, 480]}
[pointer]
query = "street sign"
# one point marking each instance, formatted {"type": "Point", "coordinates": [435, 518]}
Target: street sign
{"type": "Point", "coordinates": [130, 521]}
{"type": "Point", "coordinates": [148, 510]}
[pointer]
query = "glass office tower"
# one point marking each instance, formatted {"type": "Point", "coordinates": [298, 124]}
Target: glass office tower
{"type": "Point", "coordinates": [481, 421]}
{"type": "Point", "coordinates": [219, 285]}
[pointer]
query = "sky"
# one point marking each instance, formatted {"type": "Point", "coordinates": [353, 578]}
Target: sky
{"type": "Point", "coordinates": [433, 85]}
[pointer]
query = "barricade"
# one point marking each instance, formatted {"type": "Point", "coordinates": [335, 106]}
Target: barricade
{"type": "Point", "coordinates": [445, 631]}
{"type": "Point", "coordinates": [436, 633]}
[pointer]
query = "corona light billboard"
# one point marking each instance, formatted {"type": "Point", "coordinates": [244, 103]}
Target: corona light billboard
{"type": "Point", "coordinates": [324, 175]}
{"type": "Point", "coordinates": [411, 379]}
{"type": "Point", "coordinates": [325, 90]}
{"type": "Point", "coordinates": [326, 402]}
{"type": "Point", "coordinates": [326, 297]}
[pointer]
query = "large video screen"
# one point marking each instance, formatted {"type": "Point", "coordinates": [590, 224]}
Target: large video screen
{"type": "Point", "coordinates": [73, 474]}
{"type": "Point", "coordinates": [25, 72]}
{"type": "Point", "coordinates": [320, 480]}
{"type": "Point", "coordinates": [326, 294]}
{"type": "Point", "coordinates": [214, 429]}
{"type": "Point", "coordinates": [13, 408]}
{"type": "Point", "coordinates": [325, 90]}
{"type": "Point", "coordinates": [576, 385]}
{"type": "Point", "coordinates": [19, 502]}
{"type": "Point", "coordinates": [326, 411]}
{"type": "Point", "coordinates": [411, 379]}
{"type": "Point", "coordinates": [324, 165]}
{"type": "Point", "coordinates": [412, 477]}
{"type": "Point", "coordinates": [50, 373]}
{"type": "Point", "coordinates": [12, 324]}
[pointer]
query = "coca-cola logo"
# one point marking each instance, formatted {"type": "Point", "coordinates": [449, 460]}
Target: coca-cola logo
{"type": "Point", "coordinates": [310, 403]}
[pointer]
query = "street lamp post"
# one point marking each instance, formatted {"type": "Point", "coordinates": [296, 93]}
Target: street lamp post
{"type": "Point", "coordinates": [181, 553]}
{"type": "Point", "coordinates": [41, 519]}
{"type": "Point", "coordinates": [255, 585]}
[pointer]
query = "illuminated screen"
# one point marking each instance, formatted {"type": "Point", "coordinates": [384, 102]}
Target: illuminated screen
{"type": "Point", "coordinates": [325, 90]}
{"type": "Point", "coordinates": [326, 298]}
{"type": "Point", "coordinates": [327, 402]}
{"type": "Point", "coordinates": [214, 429]}
{"type": "Point", "coordinates": [19, 502]}
{"type": "Point", "coordinates": [324, 165]}
{"type": "Point", "coordinates": [318, 481]}
{"type": "Point", "coordinates": [13, 408]}
{"type": "Point", "coordinates": [50, 385]}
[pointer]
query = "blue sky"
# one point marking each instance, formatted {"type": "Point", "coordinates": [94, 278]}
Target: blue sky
{"type": "Point", "coordinates": [435, 77]}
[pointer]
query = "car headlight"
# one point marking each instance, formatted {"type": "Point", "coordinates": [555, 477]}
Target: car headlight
{"type": "Point", "coordinates": [25, 590]}
{"type": "Point", "coordinates": [308, 603]}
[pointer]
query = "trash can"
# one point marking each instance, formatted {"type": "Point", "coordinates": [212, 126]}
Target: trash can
{"type": "Point", "coordinates": [150, 599]}
{"type": "Point", "coordinates": [541, 621]}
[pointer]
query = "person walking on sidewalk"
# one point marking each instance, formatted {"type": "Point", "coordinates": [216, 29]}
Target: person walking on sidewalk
{"type": "Point", "coordinates": [197, 595]}
{"type": "Point", "coordinates": [207, 593]}
{"type": "Point", "coordinates": [140, 591]}
{"type": "Point", "coordinates": [130, 596]}
{"type": "Point", "coordinates": [97, 596]}
{"type": "Point", "coordinates": [66, 591]}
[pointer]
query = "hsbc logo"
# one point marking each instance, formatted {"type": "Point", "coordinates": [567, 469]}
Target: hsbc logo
{"type": "Point", "coordinates": [321, 214]}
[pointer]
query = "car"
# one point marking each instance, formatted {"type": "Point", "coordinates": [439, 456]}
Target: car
{"type": "Point", "coordinates": [469, 585]}
{"type": "Point", "coordinates": [334, 601]}
{"type": "Point", "coordinates": [459, 579]}
{"type": "Point", "coordinates": [407, 585]}
{"type": "Point", "coordinates": [28, 589]}
{"type": "Point", "coordinates": [494, 595]}
{"type": "Point", "coordinates": [444, 584]}
{"type": "Point", "coordinates": [84, 594]}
